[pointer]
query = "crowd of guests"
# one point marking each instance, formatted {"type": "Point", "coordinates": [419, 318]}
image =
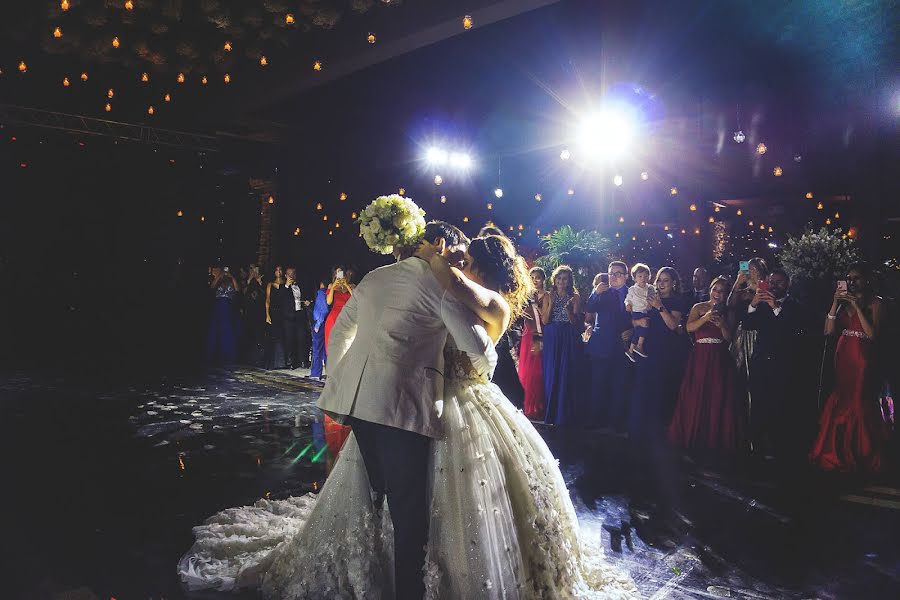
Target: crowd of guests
{"type": "Point", "coordinates": [719, 367]}
{"type": "Point", "coordinates": [274, 324]}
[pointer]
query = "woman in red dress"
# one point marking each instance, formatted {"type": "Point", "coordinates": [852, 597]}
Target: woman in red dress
{"type": "Point", "coordinates": [531, 370]}
{"type": "Point", "coordinates": [338, 294]}
{"type": "Point", "coordinates": [852, 434]}
{"type": "Point", "coordinates": [709, 412]}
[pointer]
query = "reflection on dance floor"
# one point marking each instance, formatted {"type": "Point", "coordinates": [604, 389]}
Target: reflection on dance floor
{"type": "Point", "coordinates": [111, 476]}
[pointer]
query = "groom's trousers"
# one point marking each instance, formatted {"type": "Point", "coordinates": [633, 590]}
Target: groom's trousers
{"type": "Point", "coordinates": [397, 464]}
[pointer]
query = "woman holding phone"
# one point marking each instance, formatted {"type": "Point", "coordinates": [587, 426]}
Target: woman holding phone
{"type": "Point", "coordinates": [852, 434]}
{"type": "Point", "coordinates": [336, 296]}
{"type": "Point", "coordinates": [710, 412]}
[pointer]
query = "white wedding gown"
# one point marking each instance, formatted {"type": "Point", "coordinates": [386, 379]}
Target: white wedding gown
{"type": "Point", "coordinates": [502, 522]}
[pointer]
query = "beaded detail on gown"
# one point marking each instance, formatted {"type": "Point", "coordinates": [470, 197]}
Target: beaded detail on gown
{"type": "Point", "coordinates": [502, 524]}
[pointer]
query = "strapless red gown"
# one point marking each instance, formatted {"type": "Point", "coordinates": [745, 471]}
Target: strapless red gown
{"type": "Point", "coordinates": [531, 374]}
{"type": "Point", "coordinates": [335, 433]}
{"type": "Point", "coordinates": [852, 434]}
{"type": "Point", "coordinates": [710, 411]}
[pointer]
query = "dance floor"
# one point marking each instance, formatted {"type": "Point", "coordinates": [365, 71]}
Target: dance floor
{"type": "Point", "coordinates": [106, 474]}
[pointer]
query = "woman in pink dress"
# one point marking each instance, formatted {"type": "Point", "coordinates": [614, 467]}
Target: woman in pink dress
{"type": "Point", "coordinates": [531, 370]}
{"type": "Point", "coordinates": [337, 295]}
{"type": "Point", "coordinates": [852, 434]}
{"type": "Point", "coordinates": [709, 413]}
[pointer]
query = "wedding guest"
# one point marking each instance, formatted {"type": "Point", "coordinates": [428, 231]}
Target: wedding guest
{"type": "Point", "coordinates": [295, 322]}
{"type": "Point", "coordinates": [657, 378]}
{"type": "Point", "coordinates": [531, 371]}
{"type": "Point", "coordinates": [254, 316]}
{"type": "Point", "coordinates": [275, 355]}
{"type": "Point", "coordinates": [337, 295]}
{"type": "Point", "coordinates": [610, 370]}
{"type": "Point", "coordinates": [745, 286]}
{"type": "Point", "coordinates": [709, 412]}
{"type": "Point", "coordinates": [777, 408]}
{"type": "Point", "coordinates": [636, 303]}
{"type": "Point", "coordinates": [562, 352]}
{"type": "Point", "coordinates": [852, 434]}
{"type": "Point", "coordinates": [221, 343]}
{"type": "Point", "coordinates": [700, 291]}
{"type": "Point", "coordinates": [320, 313]}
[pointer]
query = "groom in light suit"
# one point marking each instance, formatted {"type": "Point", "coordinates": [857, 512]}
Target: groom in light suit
{"type": "Point", "coordinates": [386, 366]}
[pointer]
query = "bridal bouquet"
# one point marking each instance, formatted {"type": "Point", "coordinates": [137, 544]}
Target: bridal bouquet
{"type": "Point", "coordinates": [391, 222]}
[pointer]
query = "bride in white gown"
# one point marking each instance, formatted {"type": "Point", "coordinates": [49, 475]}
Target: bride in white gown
{"type": "Point", "coordinates": [502, 523]}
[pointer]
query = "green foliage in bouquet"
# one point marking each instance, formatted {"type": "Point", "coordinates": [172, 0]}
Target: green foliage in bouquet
{"type": "Point", "coordinates": [821, 256]}
{"type": "Point", "coordinates": [587, 252]}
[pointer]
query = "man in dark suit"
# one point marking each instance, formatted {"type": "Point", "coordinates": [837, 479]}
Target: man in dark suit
{"type": "Point", "coordinates": [777, 403]}
{"type": "Point", "coordinates": [610, 370]}
{"type": "Point", "coordinates": [700, 293]}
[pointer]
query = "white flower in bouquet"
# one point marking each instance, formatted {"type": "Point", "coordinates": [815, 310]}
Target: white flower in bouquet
{"type": "Point", "coordinates": [391, 221]}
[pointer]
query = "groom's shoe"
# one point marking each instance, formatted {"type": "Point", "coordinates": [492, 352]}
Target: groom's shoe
{"type": "Point", "coordinates": [615, 538]}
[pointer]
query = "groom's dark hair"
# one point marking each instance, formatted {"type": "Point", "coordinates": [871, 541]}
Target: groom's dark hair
{"type": "Point", "coordinates": [452, 235]}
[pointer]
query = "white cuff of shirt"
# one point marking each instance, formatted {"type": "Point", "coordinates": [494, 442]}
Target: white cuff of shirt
{"type": "Point", "coordinates": [751, 309]}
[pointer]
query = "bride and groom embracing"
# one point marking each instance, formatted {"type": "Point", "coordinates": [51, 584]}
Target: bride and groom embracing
{"type": "Point", "coordinates": [476, 504]}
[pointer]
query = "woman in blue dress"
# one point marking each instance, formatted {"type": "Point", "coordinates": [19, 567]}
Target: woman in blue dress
{"type": "Point", "coordinates": [221, 344]}
{"type": "Point", "coordinates": [563, 347]}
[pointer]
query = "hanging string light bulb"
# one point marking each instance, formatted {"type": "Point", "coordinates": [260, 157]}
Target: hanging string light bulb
{"type": "Point", "coordinates": [809, 195]}
{"type": "Point", "coordinates": [145, 77]}
{"type": "Point", "coordinates": [402, 191]}
{"type": "Point", "coordinates": [467, 22]}
{"type": "Point", "coordinates": [443, 199]}
{"type": "Point", "coordinates": [66, 82]}
{"type": "Point", "coordinates": [227, 47]}
{"type": "Point", "coordinates": [110, 93]}
{"type": "Point", "coordinates": [289, 19]}
{"type": "Point", "coordinates": [64, 5]}
{"type": "Point", "coordinates": [353, 215]}
{"type": "Point", "coordinates": [739, 212]}
{"type": "Point", "coordinates": [692, 207]}
{"type": "Point", "coordinates": [57, 33]}
{"type": "Point", "coordinates": [129, 5]}
{"type": "Point", "coordinates": [819, 206]}
{"type": "Point", "coordinates": [761, 149]}
{"type": "Point", "coordinates": [712, 219]}
{"type": "Point", "coordinates": [319, 206]}
{"type": "Point", "coordinates": [538, 197]}
{"type": "Point", "coordinates": [167, 97]}
{"type": "Point", "coordinates": [227, 78]}
{"type": "Point", "coordinates": [465, 219]}
{"type": "Point", "coordinates": [777, 171]}
{"type": "Point", "coordinates": [150, 110]}
{"type": "Point", "coordinates": [263, 61]}
{"type": "Point", "coordinates": [115, 42]}
{"type": "Point", "coordinates": [84, 76]}
{"type": "Point", "coordinates": [181, 78]}
{"type": "Point", "coordinates": [717, 209]}
{"type": "Point", "coordinates": [317, 66]}
{"type": "Point", "coordinates": [108, 107]}
{"type": "Point", "coordinates": [674, 191]}
{"type": "Point", "coordinates": [204, 80]}
{"type": "Point", "coordinates": [343, 196]}
{"type": "Point", "coordinates": [23, 67]}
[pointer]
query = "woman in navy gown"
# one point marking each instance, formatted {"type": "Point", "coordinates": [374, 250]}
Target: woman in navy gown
{"type": "Point", "coordinates": [658, 377]}
{"type": "Point", "coordinates": [563, 348]}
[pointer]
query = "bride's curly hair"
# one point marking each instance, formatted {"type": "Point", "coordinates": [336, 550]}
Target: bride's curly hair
{"type": "Point", "coordinates": [503, 270]}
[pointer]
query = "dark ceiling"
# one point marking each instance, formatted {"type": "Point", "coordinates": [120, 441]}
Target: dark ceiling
{"type": "Point", "coordinates": [114, 42]}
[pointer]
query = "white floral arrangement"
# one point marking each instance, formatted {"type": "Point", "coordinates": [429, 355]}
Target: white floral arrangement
{"type": "Point", "coordinates": [391, 222]}
{"type": "Point", "coordinates": [819, 255]}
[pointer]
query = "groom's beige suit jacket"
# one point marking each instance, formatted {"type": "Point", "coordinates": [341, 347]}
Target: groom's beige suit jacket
{"type": "Point", "coordinates": [386, 350]}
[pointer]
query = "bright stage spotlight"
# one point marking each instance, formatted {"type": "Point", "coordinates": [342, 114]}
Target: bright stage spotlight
{"type": "Point", "coordinates": [607, 134]}
{"type": "Point", "coordinates": [436, 156]}
{"type": "Point", "coordinates": [461, 160]}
